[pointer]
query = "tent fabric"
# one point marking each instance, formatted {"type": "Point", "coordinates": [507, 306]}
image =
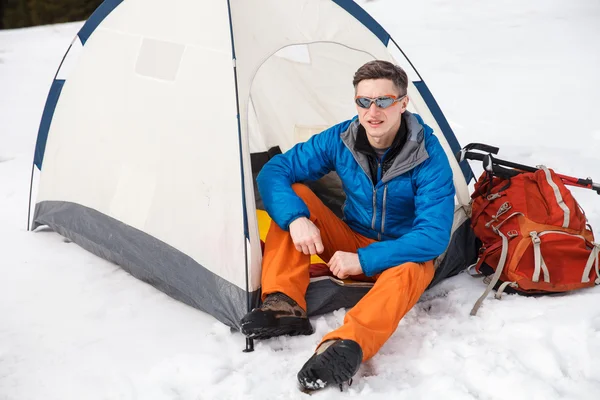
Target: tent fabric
{"type": "Point", "coordinates": [136, 172]}
{"type": "Point", "coordinates": [444, 125]}
{"type": "Point", "coordinates": [153, 130]}
{"type": "Point", "coordinates": [361, 15]}
{"type": "Point", "coordinates": [175, 273]}
{"type": "Point", "coordinates": [461, 252]}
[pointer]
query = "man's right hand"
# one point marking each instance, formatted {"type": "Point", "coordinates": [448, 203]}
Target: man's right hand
{"type": "Point", "coordinates": [306, 236]}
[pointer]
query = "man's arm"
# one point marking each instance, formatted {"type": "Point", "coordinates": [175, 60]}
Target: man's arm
{"type": "Point", "coordinates": [310, 160]}
{"type": "Point", "coordinates": [434, 210]}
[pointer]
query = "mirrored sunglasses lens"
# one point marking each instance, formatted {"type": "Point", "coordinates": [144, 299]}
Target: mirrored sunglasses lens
{"type": "Point", "coordinates": [384, 102]}
{"type": "Point", "coordinates": [363, 102]}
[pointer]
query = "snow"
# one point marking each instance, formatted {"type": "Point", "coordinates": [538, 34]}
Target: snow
{"type": "Point", "coordinates": [518, 74]}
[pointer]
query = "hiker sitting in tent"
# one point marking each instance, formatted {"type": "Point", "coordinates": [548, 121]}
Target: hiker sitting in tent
{"type": "Point", "coordinates": [397, 219]}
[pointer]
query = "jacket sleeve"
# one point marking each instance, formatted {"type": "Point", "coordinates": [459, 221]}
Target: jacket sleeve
{"type": "Point", "coordinates": [434, 214]}
{"type": "Point", "coordinates": [310, 160]}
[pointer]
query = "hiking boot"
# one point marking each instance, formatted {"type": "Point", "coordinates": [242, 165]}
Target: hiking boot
{"type": "Point", "coordinates": [334, 362]}
{"type": "Point", "coordinates": [278, 315]}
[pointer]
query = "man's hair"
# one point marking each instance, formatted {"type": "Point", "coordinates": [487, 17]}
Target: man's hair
{"type": "Point", "coordinates": [379, 69]}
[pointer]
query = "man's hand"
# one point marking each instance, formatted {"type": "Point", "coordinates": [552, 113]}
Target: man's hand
{"type": "Point", "coordinates": [344, 264]}
{"type": "Point", "coordinates": [306, 236]}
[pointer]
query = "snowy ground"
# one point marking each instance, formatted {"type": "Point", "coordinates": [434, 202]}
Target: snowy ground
{"type": "Point", "coordinates": [519, 74]}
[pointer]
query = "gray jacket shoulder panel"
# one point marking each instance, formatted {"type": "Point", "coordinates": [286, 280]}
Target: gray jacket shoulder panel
{"type": "Point", "coordinates": [412, 154]}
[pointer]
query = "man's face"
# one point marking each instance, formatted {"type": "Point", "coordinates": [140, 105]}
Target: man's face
{"type": "Point", "coordinates": [380, 124]}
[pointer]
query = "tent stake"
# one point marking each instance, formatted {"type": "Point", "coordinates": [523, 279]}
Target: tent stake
{"type": "Point", "coordinates": [249, 345]}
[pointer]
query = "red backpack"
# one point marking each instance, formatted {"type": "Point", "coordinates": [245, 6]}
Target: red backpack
{"type": "Point", "coordinates": [535, 237]}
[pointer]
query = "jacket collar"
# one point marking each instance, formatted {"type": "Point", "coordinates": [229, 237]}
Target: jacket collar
{"type": "Point", "coordinates": [410, 155]}
{"type": "Point", "coordinates": [362, 144]}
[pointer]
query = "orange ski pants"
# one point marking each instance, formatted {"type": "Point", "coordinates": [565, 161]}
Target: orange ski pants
{"type": "Point", "coordinates": [376, 316]}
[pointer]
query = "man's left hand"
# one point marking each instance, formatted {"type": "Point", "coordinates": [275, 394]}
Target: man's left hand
{"type": "Point", "coordinates": [344, 264]}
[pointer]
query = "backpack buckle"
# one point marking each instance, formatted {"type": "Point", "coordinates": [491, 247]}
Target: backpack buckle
{"type": "Point", "coordinates": [535, 238]}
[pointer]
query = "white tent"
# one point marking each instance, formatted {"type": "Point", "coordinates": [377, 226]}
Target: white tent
{"type": "Point", "coordinates": [154, 117]}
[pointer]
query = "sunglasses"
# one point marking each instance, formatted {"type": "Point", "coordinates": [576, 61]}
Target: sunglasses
{"type": "Point", "coordinates": [381, 101]}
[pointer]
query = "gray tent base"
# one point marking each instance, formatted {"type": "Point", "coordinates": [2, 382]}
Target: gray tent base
{"type": "Point", "coordinates": [148, 259]}
{"type": "Point", "coordinates": [182, 278]}
{"type": "Point", "coordinates": [462, 252]}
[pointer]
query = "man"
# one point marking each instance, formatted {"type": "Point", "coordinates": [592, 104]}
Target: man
{"type": "Point", "coordinates": [397, 219]}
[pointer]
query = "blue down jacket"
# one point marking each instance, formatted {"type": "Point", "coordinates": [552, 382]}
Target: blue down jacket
{"type": "Point", "coordinates": [409, 211]}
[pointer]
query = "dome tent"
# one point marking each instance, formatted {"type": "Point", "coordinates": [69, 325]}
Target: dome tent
{"type": "Point", "coordinates": [161, 115]}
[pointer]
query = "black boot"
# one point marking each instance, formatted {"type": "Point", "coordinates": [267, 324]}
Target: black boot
{"type": "Point", "coordinates": [278, 315]}
{"type": "Point", "coordinates": [334, 362]}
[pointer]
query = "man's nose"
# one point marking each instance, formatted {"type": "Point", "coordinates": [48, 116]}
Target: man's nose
{"type": "Point", "coordinates": [373, 109]}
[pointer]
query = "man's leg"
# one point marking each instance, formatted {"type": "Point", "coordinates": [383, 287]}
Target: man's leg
{"type": "Point", "coordinates": [376, 316]}
{"type": "Point", "coordinates": [285, 269]}
{"type": "Point", "coordinates": [285, 272]}
{"type": "Point", "coordinates": [367, 326]}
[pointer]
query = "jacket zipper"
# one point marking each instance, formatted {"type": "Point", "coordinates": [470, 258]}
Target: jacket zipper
{"type": "Point", "coordinates": [383, 211]}
{"type": "Point", "coordinates": [374, 208]}
{"type": "Point", "coordinates": [379, 176]}
{"type": "Point", "coordinates": [374, 197]}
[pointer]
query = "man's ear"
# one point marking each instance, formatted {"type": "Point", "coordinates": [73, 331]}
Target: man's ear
{"type": "Point", "coordinates": [404, 104]}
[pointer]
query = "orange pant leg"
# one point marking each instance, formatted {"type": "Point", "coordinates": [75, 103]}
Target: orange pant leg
{"type": "Point", "coordinates": [376, 316]}
{"type": "Point", "coordinates": [285, 269]}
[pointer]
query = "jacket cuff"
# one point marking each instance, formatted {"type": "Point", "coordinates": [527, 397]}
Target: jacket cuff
{"type": "Point", "coordinates": [294, 217]}
{"type": "Point", "coordinates": [363, 264]}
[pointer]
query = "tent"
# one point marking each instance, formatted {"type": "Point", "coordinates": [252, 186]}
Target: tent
{"type": "Point", "coordinates": [161, 115]}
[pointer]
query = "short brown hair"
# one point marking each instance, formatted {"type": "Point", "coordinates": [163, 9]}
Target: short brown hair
{"type": "Point", "coordinates": [379, 69]}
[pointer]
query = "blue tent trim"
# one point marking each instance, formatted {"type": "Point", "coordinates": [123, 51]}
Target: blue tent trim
{"type": "Point", "coordinates": [96, 18]}
{"type": "Point", "coordinates": [47, 115]}
{"type": "Point", "coordinates": [357, 12]}
{"type": "Point", "coordinates": [84, 33]}
{"type": "Point", "coordinates": [444, 125]}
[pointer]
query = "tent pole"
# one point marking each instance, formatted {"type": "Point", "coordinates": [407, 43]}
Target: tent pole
{"type": "Point", "coordinates": [249, 345]}
{"type": "Point", "coordinates": [30, 192]}
{"type": "Point", "coordinates": [249, 341]}
{"type": "Point", "coordinates": [405, 56]}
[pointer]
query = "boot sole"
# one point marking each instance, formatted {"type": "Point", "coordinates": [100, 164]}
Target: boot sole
{"type": "Point", "coordinates": [337, 364]}
{"type": "Point", "coordinates": [272, 327]}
